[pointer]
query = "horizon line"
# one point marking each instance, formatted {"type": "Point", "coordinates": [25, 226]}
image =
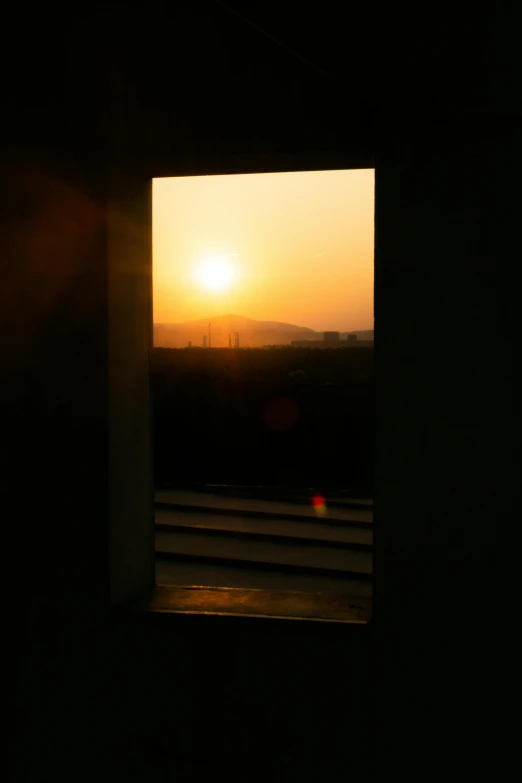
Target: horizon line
{"type": "Point", "coordinates": [258, 320]}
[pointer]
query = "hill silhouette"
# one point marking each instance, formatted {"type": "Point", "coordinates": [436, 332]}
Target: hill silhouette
{"type": "Point", "coordinates": [236, 322]}
{"type": "Point", "coordinates": [252, 333]}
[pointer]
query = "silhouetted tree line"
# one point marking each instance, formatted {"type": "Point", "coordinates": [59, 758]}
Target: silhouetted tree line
{"type": "Point", "coordinates": [299, 417]}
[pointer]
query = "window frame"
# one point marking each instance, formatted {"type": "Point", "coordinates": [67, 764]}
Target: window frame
{"type": "Point", "coordinates": [131, 510]}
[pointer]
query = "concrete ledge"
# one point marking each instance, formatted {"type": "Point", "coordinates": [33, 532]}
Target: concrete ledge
{"type": "Point", "coordinates": [323, 607]}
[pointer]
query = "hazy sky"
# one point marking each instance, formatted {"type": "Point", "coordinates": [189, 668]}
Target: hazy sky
{"type": "Point", "coordinates": [294, 247]}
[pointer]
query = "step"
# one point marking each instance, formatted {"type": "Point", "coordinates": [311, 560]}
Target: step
{"type": "Point", "coordinates": [226, 524]}
{"type": "Point", "coordinates": [363, 503]}
{"type": "Point", "coordinates": [277, 494]}
{"type": "Point", "coordinates": [248, 506]}
{"type": "Point", "coordinates": [291, 555]}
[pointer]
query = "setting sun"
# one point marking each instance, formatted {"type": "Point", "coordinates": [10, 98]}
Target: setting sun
{"type": "Point", "coordinates": [215, 274]}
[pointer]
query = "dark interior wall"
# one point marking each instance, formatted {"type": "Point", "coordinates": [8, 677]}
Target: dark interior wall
{"type": "Point", "coordinates": [129, 300]}
{"type": "Point", "coordinates": [447, 202]}
{"type": "Point", "coordinates": [54, 376]}
{"type": "Point", "coordinates": [447, 466]}
{"type": "Point", "coordinates": [161, 700]}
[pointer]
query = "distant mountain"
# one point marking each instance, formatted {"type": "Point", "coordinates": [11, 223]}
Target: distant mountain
{"type": "Point", "coordinates": [252, 333]}
{"type": "Point", "coordinates": [237, 322]}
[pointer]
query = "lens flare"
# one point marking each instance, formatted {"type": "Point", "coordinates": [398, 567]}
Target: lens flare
{"type": "Point", "coordinates": [281, 413]}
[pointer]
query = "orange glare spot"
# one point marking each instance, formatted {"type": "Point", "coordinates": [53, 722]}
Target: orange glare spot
{"type": "Point", "coordinates": [281, 413]}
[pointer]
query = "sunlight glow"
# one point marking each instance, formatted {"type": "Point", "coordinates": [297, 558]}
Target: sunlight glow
{"type": "Point", "coordinates": [216, 274]}
{"type": "Point", "coordinates": [292, 247]}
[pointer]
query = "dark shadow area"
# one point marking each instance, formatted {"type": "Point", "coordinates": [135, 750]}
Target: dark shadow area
{"type": "Point", "coordinates": [292, 419]}
{"type": "Point", "coordinates": [278, 445]}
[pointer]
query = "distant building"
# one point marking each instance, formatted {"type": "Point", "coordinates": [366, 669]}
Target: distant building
{"type": "Point", "coordinates": [363, 334]}
{"type": "Point", "coordinates": [189, 344]}
{"type": "Point", "coordinates": [332, 337]}
{"type": "Point", "coordinates": [204, 341]}
{"type": "Point", "coordinates": [351, 338]}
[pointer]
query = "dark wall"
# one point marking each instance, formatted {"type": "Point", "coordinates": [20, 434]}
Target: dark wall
{"type": "Point", "coordinates": [54, 374]}
{"type": "Point", "coordinates": [155, 700]}
{"type": "Point", "coordinates": [446, 406]}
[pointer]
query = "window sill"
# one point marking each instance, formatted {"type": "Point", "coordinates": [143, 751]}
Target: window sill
{"type": "Point", "coordinates": [273, 604]}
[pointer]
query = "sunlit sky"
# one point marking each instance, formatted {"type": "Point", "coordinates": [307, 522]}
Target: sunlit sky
{"type": "Point", "coordinates": [294, 247]}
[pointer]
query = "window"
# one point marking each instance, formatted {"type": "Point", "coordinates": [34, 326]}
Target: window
{"type": "Point", "coordinates": [262, 388]}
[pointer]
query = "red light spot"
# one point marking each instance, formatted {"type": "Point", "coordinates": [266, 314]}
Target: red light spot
{"type": "Point", "coordinates": [318, 501]}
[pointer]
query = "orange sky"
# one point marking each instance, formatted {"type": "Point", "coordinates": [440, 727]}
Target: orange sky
{"type": "Point", "coordinates": [296, 247]}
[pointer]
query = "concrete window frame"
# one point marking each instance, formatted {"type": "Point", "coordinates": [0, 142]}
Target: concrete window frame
{"type": "Point", "coordinates": [129, 220]}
